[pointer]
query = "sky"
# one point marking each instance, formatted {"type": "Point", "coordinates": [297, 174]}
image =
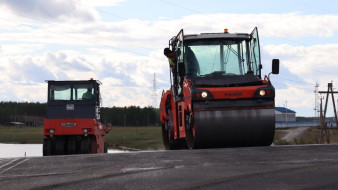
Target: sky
{"type": "Point", "coordinates": [120, 43]}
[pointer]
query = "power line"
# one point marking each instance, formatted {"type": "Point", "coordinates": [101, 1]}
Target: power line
{"type": "Point", "coordinates": [109, 46]}
{"type": "Point", "coordinates": [319, 8]}
{"type": "Point", "coordinates": [131, 51]}
{"type": "Point", "coordinates": [113, 47]}
{"type": "Point", "coordinates": [297, 81]}
{"type": "Point", "coordinates": [115, 15]}
{"type": "Point", "coordinates": [177, 5]}
{"type": "Point", "coordinates": [216, 18]}
{"type": "Point", "coordinates": [325, 72]}
{"type": "Point", "coordinates": [191, 10]}
{"type": "Point", "coordinates": [308, 89]}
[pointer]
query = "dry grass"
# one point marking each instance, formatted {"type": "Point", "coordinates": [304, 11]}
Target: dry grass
{"type": "Point", "coordinates": [145, 138]}
{"type": "Point", "coordinates": [21, 135]}
{"type": "Point", "coordinates": [308, 137]}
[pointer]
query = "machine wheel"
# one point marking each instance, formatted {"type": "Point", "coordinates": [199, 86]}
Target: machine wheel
{"type": "Point", "coordinates": [105, 148]}
{"type": "Point", "coordinates": [60, 146]}
{"type": "Point", "coordinates": [85, 145]}
{"type": "Point", "coordinates": [78, 139]}
{"type": "Point", "coordinates": [47, 147]}
{"type": "Point", "coordinates": [189, 131]}
{"type": "Point", "coordinates": [174, 144]}
{"type": "Point", "coordinates": [71, 145]}
{"type": "Point", "coordinates": [93, 146]}
{"type": "Point", "coordinates": [165, 136]}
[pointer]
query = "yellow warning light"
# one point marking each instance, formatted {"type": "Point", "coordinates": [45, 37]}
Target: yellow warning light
{"type": "Point", "coordinates": [225, 30]}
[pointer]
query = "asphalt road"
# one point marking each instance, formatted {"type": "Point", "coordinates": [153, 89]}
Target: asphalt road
{"type": "Point", "coordinates": [275, 167]}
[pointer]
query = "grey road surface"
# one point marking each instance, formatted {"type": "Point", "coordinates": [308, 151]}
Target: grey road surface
{"type": "Point", "coordinates": [275, 167]}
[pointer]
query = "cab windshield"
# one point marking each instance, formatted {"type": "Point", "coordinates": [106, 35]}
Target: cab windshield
{"type": "Point", "coordinates": [218, 57]}
{"type": "Point", "coordinates": [71, 92]}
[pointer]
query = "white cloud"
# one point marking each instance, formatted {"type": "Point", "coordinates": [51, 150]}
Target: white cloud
{"type": "Point", "coordinates": [296, 96]}
{"type": "Point", "coordinates": [145, 34]}
{"type": "Point", "coordinates": [102, 3]}
{"type": "Point", "coordinates": [126, 78]}
{"type": "Point", "coordinates": [310, 65]}
{"type": "Point", "coordinates": [52, 10]}
{"type": "Point", "coordinates": [12, 50]}
{"type": "Point", "coordinates": [94, 48]}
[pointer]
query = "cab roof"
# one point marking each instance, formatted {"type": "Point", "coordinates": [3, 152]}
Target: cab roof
{"type": "Point", "coordinates": [243, 36]}
{"type": "Point", "coordinates": [73, 81]}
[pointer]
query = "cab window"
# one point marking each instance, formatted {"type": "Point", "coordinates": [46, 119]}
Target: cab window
{"type": "Point", "coordinates": [59, 92]}
{"type": "Point", "coordinates": [83, 91]}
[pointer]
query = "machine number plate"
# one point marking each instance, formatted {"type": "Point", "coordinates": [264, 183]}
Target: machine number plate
{"type": "Point", "coordinates": [70, 107]}
{"type": "Point", "coordinates": [68, 124]}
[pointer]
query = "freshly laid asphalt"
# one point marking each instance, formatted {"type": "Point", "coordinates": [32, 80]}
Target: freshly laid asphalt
{"type": "Point", "coordinates": [274, 167]}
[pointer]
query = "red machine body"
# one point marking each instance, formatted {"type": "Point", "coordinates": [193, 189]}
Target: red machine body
{"type": "Point", "coordinates": [92, 127]}
{"type": "Point", "coordinates": [72, 125]}
{"type": "Point", "coordinates": [222, 104]}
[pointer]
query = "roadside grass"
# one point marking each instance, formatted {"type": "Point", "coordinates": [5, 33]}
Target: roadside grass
{"type": "Point", "coordinates": [21, 135]}
{"type": "Point", "coordinates": [144, 138]}
{"type": "Point", "coordinates": [308, 137]}
{"type": "Point", "coordinates": [279, 134]}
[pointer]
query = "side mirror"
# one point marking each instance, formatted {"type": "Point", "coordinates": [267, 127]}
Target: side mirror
{"type": "Point", "coordinates": [181, 68]}
{"type": "Point", "coordinates": [275, 66]}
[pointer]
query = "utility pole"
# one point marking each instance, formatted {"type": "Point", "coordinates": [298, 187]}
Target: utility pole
{"type": "Point", "coordinates": [316, 100]}
{"type": "Point", "coordinates": [286, 111]}
{"type": "Point", "coordinates": [124, 126]}
{"type": "Point", "coordinates": [154, 94]}
{"type": "Point", "coordinates": [323, 129]}
{"type": "Point", "coordinates": [322, 125]}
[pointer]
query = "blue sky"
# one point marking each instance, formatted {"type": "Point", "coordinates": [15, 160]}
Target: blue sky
{"type": "Point", "coordinates": [120, 42]}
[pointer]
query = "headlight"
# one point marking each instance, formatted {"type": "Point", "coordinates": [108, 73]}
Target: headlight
{"type": "Point", "coordinates": [262, 92]}
{"type": "Point", "coordinates": [204, 94]}
{"type": "Point", "coordinates": [85, 130]}
{"type": "Point", "coordinates": [51, 131]}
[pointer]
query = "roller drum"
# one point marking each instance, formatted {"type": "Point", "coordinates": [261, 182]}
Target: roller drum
{"type": "Point", "coordinates": [233, 128]}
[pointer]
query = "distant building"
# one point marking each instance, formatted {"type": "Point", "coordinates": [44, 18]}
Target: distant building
{"type": "Point", "coordinates": [14, 123]}
{"type": "Point", "coordinates": [33, 120]}
{"type": "Point", "coordinates": [285, 115]}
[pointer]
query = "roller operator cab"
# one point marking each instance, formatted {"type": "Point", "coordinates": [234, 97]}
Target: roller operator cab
{"type": "Point", "coordinates": [72, 125]}
{"type": "Point", "coordinates": [218, 97]}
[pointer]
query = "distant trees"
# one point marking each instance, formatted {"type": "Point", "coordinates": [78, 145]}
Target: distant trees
{"type": "Point", "coordinates": [130, 116]}
{"type": "Point", "coordinates": [116, 116]}
{"type": "Point", "coordinates": [16, 111]}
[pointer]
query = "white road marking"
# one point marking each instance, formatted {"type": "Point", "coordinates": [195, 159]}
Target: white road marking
{"type": "Point", "coordinates": [9, 163]}
{"type": "Point", "coordinates": [139, 169]}
{"type": "Point", "coordinates": [14, 165]}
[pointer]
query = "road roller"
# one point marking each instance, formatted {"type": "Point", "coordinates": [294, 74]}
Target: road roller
{"type": "Point", "coordinates": [73, 122]}
{"type": "Point", "coordinates": [217, 96]}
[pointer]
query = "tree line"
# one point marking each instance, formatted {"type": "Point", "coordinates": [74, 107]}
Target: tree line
{"type": "Point", "coordinates": [130, 116]}
{"type": "Point", "coordinates": [17, 111]}
{"type": "Point", "coordinates": [116, 116]}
